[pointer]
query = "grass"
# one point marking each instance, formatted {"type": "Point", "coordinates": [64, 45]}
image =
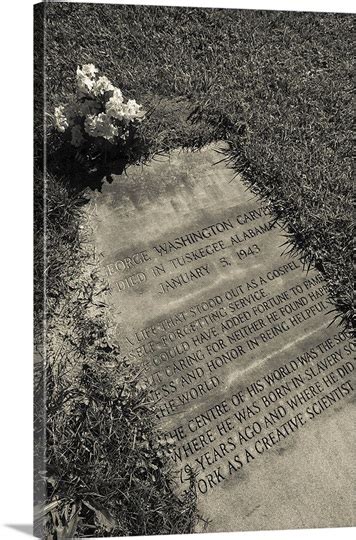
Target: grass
{"type": "Point", "coordinates": [275, 85]}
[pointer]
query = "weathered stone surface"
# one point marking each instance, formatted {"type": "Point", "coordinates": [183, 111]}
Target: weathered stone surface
{"type": "Point", "coordinates": [230, 329]}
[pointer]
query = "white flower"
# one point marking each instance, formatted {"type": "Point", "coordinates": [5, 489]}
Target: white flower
{"type": "Point", "coordinates": [132, 110]}
{"type": "Point", "coordinates": [60, 119]}
{"type": "Point", "coordinates": [133, 106]}
{"type": "Point", "coordinates": [89, 70]}
{"type": "Point", "coordinates": [114, 106]}
{"type": "Point", "coordinates": [117, 94]}
{"type": "Point", "coordinates": [93, 93]}
{"type": "Point", "coordinates": [77, 136]}
{"type": "Point", "coordinates": [100, 126]}
{"type": "Point", "coordinates": [102, 85]}
{"type": "Point", "coordinates": [84, 82]}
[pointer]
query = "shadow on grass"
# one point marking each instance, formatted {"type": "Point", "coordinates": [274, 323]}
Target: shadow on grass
{"type": "Point", "coordinates": [82, 171]}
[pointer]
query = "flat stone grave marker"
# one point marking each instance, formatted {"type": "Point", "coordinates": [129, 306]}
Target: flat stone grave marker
{"type": "Point", "coordinates": [250, 376]}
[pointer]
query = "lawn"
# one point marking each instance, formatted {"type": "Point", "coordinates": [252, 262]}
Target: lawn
{"type": "Point", "coordinates": [276, 85]}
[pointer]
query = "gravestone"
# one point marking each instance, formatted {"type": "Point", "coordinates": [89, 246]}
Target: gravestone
{"type": "Point", "coordinates": [250, 376]}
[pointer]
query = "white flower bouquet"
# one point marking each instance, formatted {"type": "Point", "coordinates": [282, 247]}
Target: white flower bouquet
{"type": "Point", "coordinates": [98, 123]}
